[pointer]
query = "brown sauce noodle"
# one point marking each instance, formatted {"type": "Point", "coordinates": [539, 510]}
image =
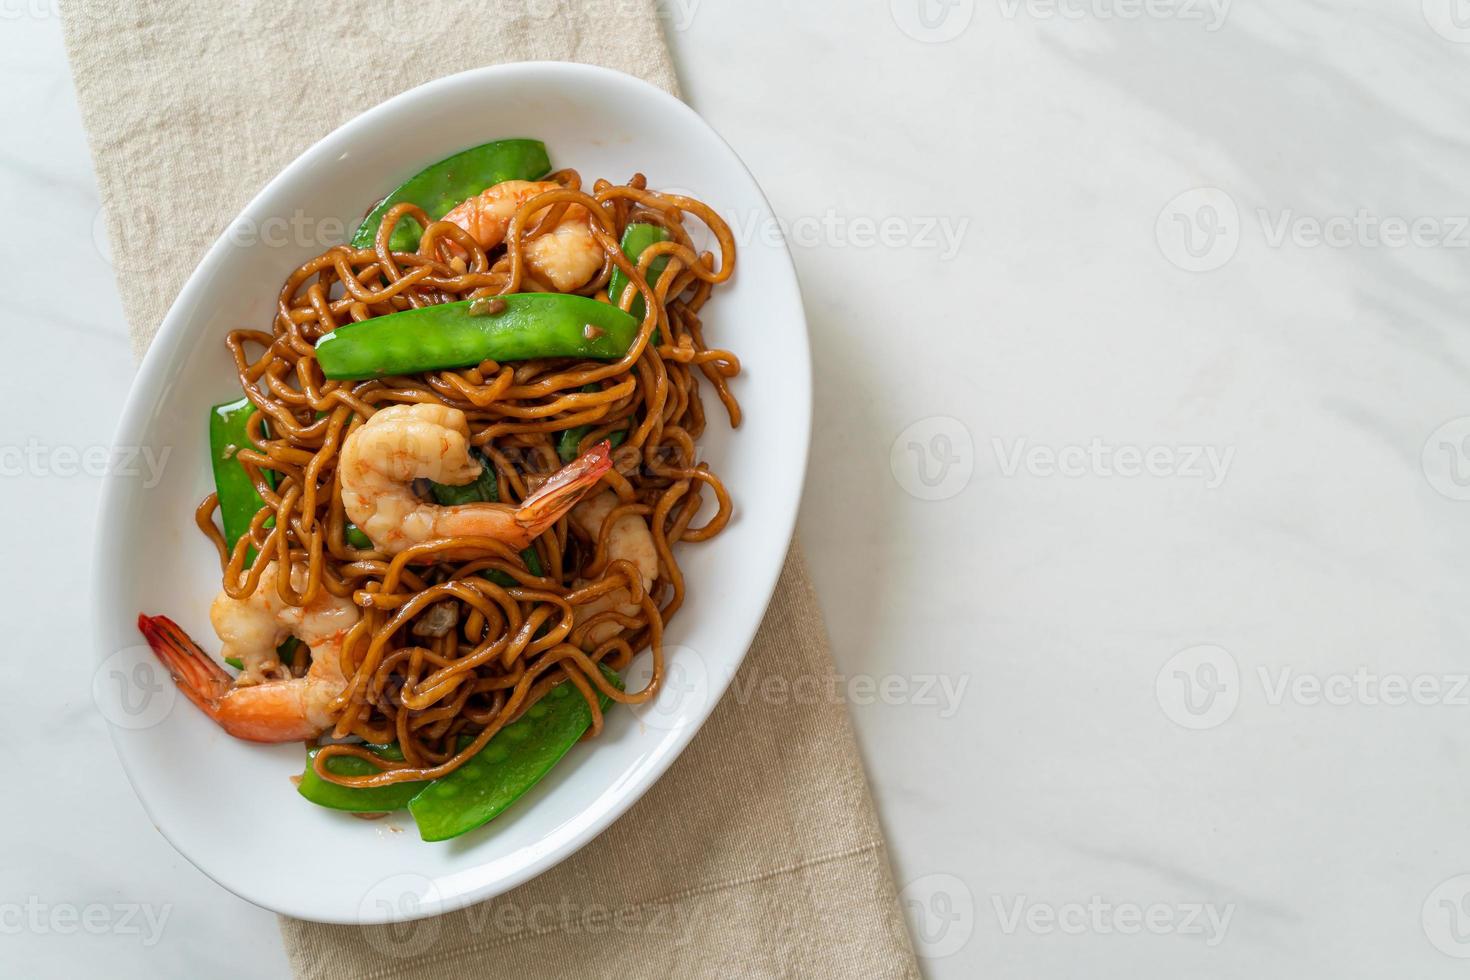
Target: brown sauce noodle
{"type": "Point", "coordinates": [441, 698]}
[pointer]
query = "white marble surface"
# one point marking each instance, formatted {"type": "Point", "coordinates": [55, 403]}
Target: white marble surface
{"type": "Point", "coordinates": [1100, 745]}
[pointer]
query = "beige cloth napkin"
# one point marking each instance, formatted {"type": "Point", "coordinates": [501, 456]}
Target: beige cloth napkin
{"type": "Point", "coordinates": [758, 854]}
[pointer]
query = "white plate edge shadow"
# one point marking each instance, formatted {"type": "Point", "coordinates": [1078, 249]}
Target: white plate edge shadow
{"type": "Point", "coordinates": [151, 380]}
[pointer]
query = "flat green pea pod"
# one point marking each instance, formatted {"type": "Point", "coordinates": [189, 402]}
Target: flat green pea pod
{"type": "Point", "coordinates": [517, 327]}
{"type": "Point", "coordinates": [286, 651]}
{"type": "Point", "coordinates": [440, 186]}
{"type": "Point", "coordinates": [357, 539]}
{"type": "Point", "coordinates": [371, 799]}
{"type": "Point", "coordinates": [238, 499]}
{"type": "Point", "coordinates": [483, 489]}
{"type": "Point", "coordinates": [637, 237]}
{"type": "Point", "coordinates": [570, 440]}
{"type": "Point", "coordinates": [513, 761]}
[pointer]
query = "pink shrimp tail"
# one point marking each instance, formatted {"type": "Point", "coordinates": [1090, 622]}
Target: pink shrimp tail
{"type": "Point", "coordinates": [201, 679]}
{"type": "Point", "coordinates": [272, 714]}
{"type": "Point", "coordinates": [567, 486]}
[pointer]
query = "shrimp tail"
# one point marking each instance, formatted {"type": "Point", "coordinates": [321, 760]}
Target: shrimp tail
{"type": "Point", "coordinates": [565, 487]}
{"type": "Point", "coordinates": [275, 712]}
{"type": "Point", "coordinates": [201, 679]}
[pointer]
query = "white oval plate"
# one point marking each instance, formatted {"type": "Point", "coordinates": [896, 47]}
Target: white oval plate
{"type": "Point", "coordinates": [229, 806]}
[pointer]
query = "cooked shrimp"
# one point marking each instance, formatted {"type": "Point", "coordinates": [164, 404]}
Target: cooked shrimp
{"type": "Point", "coordinates": [487, 215]}
{"type": "Point", "coordinates": [567, 256]}
{"type": "Point", "coordinates": [251, 629]}
{"type": "Point", "coordinates": [628, 540]}
{"type": "Point", "coordinates": [402, 443]}
{"type": "Point", "coordinates": [262, 704]}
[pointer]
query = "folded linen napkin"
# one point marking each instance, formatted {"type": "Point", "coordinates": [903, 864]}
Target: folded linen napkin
{"type": "Point", "coordinates": [758, 854]}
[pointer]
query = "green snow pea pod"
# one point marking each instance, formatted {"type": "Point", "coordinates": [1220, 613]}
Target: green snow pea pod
{"type": "Point", "coordinates": [238, 499]}
{"type": "Point", "coordinates": [370, 799]}
{"type": "Point", "coordinates": [514, 760]}
{"type": "Point", "coordinates": [636, 238]}
{"type": "Point", "coordinates": [440, 186]}
{"type": "Point", "coordinates": [517, 327]}
{"type": "Point", "coordinates": [484, 488]}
